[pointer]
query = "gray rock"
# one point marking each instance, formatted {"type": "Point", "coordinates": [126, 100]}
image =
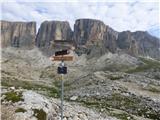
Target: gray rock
{"type": "Point", "coordinates": [88, 31]}
{"type": "Point", "coordinates": [139, 43]}
{"type": "Point", "coordinates": [90, 36]}
{"type": "Point", "coordinates": [73, 98]}
{"type": "Point", "coordinates": [12, 88]}
{"type": "Point", "coordinates": [94, 38]}
{"type": "Point", "coordinates": [18, 34]}
{"type": "Point", "coordinates": [50, 31]}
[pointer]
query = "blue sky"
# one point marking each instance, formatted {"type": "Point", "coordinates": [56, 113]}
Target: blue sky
{"type": "Point", "coordinates": [121, 15]}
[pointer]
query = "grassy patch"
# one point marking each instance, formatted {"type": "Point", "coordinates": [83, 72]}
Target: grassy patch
{"type": "Point", "coordinates": [40, 114]}
{"type": "Point", "coordinates": [51, 91]}
{"type": "Point", "coordinates": [20, 110]}
{"type": "Point", "coordinates": [129, 104]}
{"type": "Point", "coordinates": [115, 100]}
{"type": "Point", "coordinates": [67, 85]}
{"type": "Point", "coordinates": [49, 72]}
{"type": "Point", "coordinates": [13, 96]}
{"type": "Point", "coordinates": [148, 64]}
{"type": "Point", "coordinates": [8, 81]}
{"type": "Point", "coordinates": [122, 116]}
{"type": "Point", "coordinates": [116, 67]}
{"type": "Point", "coordinates": [152, 88]}
{"type": "Point", "coordinates": [57, 83]}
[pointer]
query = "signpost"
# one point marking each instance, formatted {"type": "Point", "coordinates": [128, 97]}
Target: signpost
{"type": "Point", "coordinates": [62, 69]}
{"type": "Point", "coordinates": [62, 58]}
{"type": "Point", "coordinates": [62, 52]}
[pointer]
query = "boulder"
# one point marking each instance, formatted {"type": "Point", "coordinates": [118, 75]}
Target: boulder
{"type": "Point", "coordinates": [73, 98]}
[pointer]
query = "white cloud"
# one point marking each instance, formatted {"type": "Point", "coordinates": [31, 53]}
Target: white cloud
{"type": "Point", "coordinates": [123, 15]}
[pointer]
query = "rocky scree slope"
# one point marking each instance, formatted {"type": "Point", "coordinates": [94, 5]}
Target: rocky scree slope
{"type": "Point", "coordinates": [33, 106]}
{"type": "Point", "coordinates": [123, 94]}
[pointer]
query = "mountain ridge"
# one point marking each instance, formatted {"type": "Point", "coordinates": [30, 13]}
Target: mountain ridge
{"type": "Point", "coordinates": [94, 34]}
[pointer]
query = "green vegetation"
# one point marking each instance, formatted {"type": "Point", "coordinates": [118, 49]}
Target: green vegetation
{"type": "Point", "coordinates": [8, 81]}
{"type": "Point", "coordinates": [51, 91]}
{"type": "Point", "coordinates": [152, 88]}
{"type": "Point", "coordinates": [48, 72]}
{"type": "Point", "coordinates": [67, 85]}
{"type": "Point", "coordinates": [148, 64]}
{"type": "Point", "coordinates": [122, 116]}
{"type": "Point", "coordinates": [116, 67]}
{"type": "Point", "coordinates": [20, 110]}
{"type": "Point", "coordinates": [40, 114]}
{"type": "Point", "coordinates": [129, 104]}
{"type": "Point", "coordinates": [57, 83]}
{"type": "Point", "coordinates": [13, 97]}
{"type": "Point", "coordinates": [116, 100]}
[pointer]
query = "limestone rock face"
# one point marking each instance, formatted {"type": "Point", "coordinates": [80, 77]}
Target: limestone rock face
{"type": "Point", "coordinates": [95, 36]}
{"type": "Point", "coordinates": [50, 31]}
{"type": "Point", "coordinates": [139, 44]}
{"type": "Point", "coordinates": [90, 36]}
{"type": "Point", "coordinates": [148, 44]}
{"type": "Point", "coordinates": [88, 31]}
{"type": "Point", "coordinates": [110, 39]}
{"type": "Point", "coordinates": [127, 43]}
{"type": "Point", "coordinates": [18, 34]}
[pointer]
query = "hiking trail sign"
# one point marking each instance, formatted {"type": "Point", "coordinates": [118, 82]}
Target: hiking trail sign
{"type": "Point", "coordinates": [62, 56]}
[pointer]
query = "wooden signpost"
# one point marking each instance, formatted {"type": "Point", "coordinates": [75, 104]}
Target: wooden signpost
{"type": "Point", "coordinates": [62, 69]}
{"type": "Point", "coordinates": [62, 58]}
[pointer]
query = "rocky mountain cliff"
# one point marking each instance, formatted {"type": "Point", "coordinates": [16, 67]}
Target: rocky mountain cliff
{"type": "Point", "coordinates": [90, 36]}
{"type": "Point", "coordinates": [53, 30]}
{"type": "Point", "coordinates": [88, 31]}
{"type": "Point", "coordinates": [95, 36]}
{"type": "Point", "coordinates": [139, 43]}
{"type": "Point", "coordinates": [18, 34]}
{"type": "Point", "coordinates": [99, 38]}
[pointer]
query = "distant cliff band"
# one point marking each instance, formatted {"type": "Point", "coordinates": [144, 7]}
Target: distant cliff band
{"type": "Point", "coordinates": [92, 34]}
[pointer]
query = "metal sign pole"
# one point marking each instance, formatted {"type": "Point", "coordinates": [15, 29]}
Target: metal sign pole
{"type": "Point", "coordinates": [62, 87]}
{"type": "Point", "coordinates": [62, 65]}
{"type": "Point", "coordinates": [62, 69]}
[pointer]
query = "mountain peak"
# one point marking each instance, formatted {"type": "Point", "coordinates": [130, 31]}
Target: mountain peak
{"type": "Point", "coordinates": [97, 37]}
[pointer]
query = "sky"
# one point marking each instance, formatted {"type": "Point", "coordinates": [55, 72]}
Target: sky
{"type": "Point", "coordinates": [121, 15]}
